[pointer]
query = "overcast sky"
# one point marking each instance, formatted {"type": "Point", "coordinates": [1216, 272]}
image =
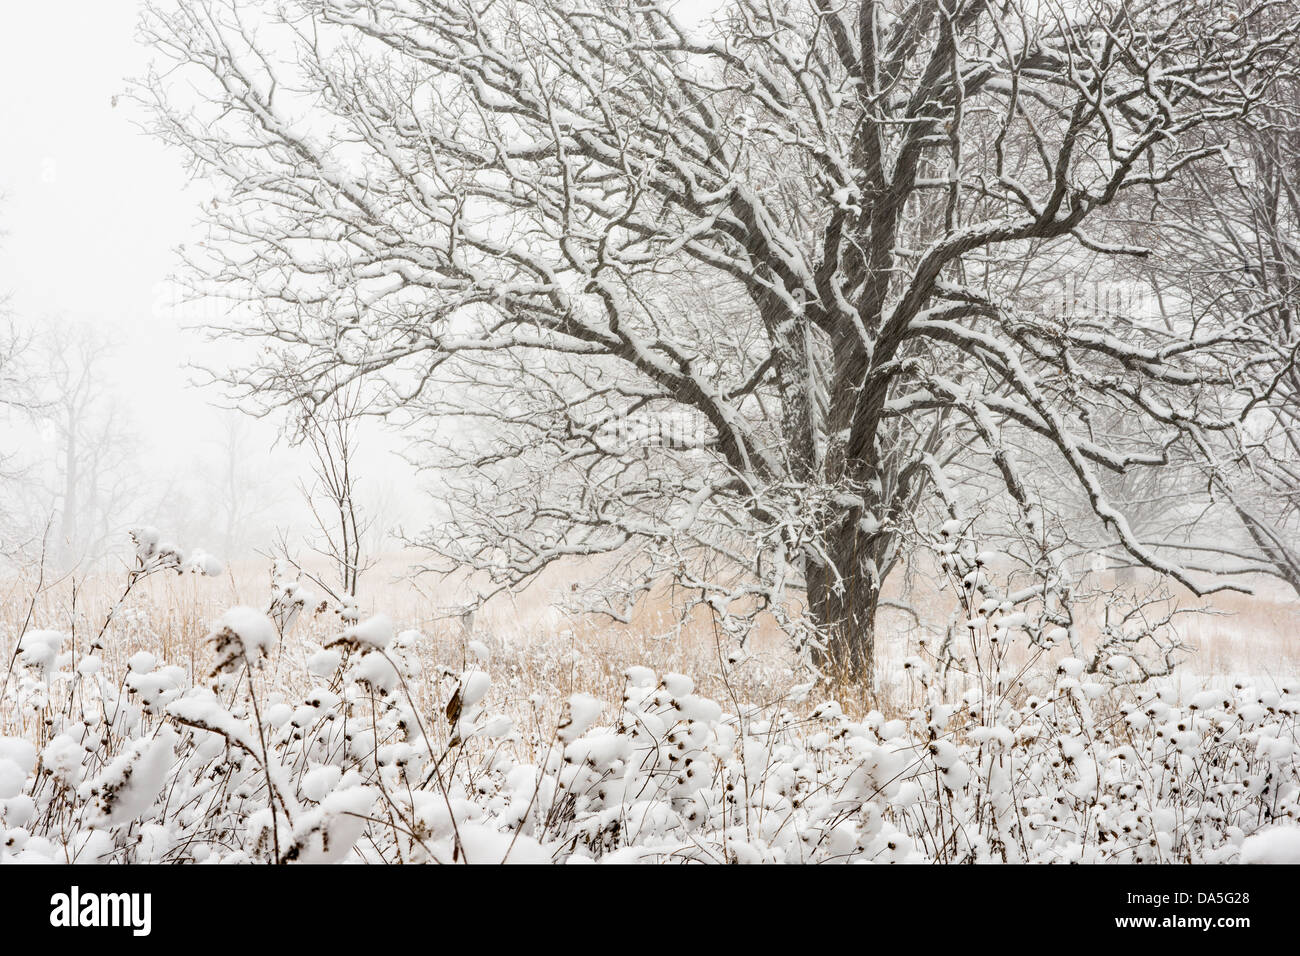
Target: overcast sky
{"type": "Point", "coordinates": [91, 207]}
{"type": "Point", "coordinates": [91, 210]}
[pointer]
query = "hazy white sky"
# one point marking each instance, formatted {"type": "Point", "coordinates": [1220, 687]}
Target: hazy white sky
{"type": "Point", "coordinates": [91, 207]}
{"type": "Point", "coordinates": [91, 210]}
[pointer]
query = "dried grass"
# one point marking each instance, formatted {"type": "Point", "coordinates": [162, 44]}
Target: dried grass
{"type": "Point", "coordinates": [538, 650]}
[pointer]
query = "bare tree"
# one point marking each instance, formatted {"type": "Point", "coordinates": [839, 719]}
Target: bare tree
{"type": "Point", "coordinates": [330, 430]}
{"type": "Point", "coordinates": [1228, 248]}
{"type": "Point", "coordinates": [807, 240]}
{"type": "Point", "coordinates": [240, 486]}
{"type": "Point", "coordinates": [91, 442]}
{"type": "Point", "coordinates": [15, 386]}
{"type": "Point", "coordinates": [18, 400]}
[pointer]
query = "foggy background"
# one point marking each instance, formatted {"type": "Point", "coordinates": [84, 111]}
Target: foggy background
{"type": "Point", "coordinates": [91, 210]}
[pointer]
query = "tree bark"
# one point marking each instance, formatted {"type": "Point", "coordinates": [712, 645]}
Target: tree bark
{"type": "Point", "coordinates": [843, 598]}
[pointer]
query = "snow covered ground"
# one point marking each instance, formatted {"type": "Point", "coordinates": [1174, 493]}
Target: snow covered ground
{"type": "Point", "coordinates": [329, 739]}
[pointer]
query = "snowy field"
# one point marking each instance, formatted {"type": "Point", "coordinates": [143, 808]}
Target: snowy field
{"type": "Point", "coordinates": [162, 728]}
{"type": "Point", "coordinates": [814, 431]}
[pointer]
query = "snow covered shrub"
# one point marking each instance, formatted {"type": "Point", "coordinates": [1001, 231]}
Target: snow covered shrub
{"type": "Point", "coordinates": [356, 749]}
{"type": "Point", "coordinates": [154, 554]}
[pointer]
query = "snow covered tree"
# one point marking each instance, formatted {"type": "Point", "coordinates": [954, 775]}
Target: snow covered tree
{"type": "Point", "coordinates": [1226, 253]}
{"type": "Point", "coordinates": [741, 303]}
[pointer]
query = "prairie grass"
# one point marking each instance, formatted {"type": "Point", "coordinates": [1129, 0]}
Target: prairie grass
{"type": "Point", "coordinates": [199, 733]}
{"type": "Point", "coordinates": [540, 650]}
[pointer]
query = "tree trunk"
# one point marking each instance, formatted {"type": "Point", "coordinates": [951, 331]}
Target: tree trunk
{"type": "Point", "coordinates": [843, 596]}
{"type": "Point", "coordinates": [843, 599]}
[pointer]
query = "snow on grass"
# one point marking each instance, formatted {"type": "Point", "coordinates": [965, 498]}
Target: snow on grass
{"type": "Point", "coordinates": [366, 751]}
